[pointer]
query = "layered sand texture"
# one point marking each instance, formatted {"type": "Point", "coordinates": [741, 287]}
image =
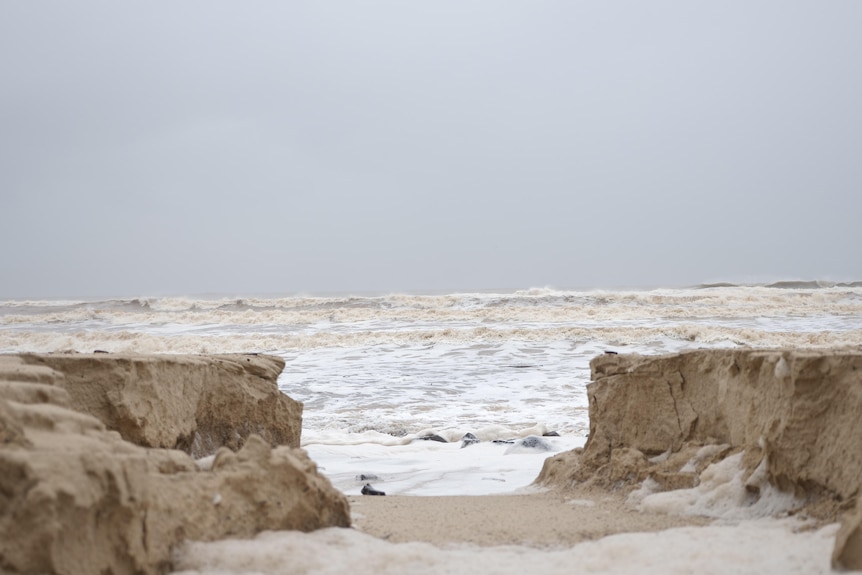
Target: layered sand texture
{"type": "Point", "coordinates": [79, 494]}
{"type": "Point", "coordinates": [87, 485]}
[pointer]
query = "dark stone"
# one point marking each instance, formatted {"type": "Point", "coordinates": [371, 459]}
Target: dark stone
{"type": "Point", "coordinates": [368, 490]}
{"type": "Point", "coordinates": [468, 439]}
{"type": "Point", "coordinates": [551, 434]}
{"type": "Point", "coordinates": [433, 437]}
{"type": "Point", "coordinates": [536, 442]}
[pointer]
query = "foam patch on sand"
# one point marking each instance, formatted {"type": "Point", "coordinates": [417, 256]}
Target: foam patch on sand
{"type": "Point", "coordinates": [764, 546]}
{"type": "Point", "coordinates": [723, 493]}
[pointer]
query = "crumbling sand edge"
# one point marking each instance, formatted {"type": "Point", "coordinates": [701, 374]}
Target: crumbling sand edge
{"type": "Point", "coordinates": [195, 403]}
{"type": "Point", "coordinates": [795, 414]}
{"type": "Point", "coordinates": [76, 497]}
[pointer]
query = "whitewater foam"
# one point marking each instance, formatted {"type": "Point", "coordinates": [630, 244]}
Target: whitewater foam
{"type": "Point", "coordinates": [400, 364]}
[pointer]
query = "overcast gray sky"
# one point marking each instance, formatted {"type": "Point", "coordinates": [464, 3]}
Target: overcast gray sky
{"type": "Point", "coordinates": [158, 148]}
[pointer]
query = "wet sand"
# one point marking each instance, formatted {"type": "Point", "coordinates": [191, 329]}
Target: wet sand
{"type": "Point", "coordinates": [550, 519]}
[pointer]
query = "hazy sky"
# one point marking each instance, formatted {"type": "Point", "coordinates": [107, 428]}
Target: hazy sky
{"type": "Point", "coordinates": [157, 148]}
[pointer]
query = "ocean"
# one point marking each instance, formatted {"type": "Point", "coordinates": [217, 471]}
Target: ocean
{"type": "Point", "coordinates": [380, 373]}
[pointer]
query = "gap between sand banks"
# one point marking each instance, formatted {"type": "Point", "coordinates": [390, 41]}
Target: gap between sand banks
{"type": "Point", "coordinates": [731, 438]}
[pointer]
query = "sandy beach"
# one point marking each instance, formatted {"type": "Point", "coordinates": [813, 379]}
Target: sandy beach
{"type": "Point", "coordinates": [544, 520]}
{"type": "Point", "coordinates": [555, 533]}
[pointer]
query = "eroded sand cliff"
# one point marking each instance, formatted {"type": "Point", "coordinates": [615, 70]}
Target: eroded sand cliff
{"type": "Point", "coordinates": [190, 402]}
{"type": "Point", "coordinates": [794, 415]}
{"type": "Point", "coordinates": [77, 497]}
